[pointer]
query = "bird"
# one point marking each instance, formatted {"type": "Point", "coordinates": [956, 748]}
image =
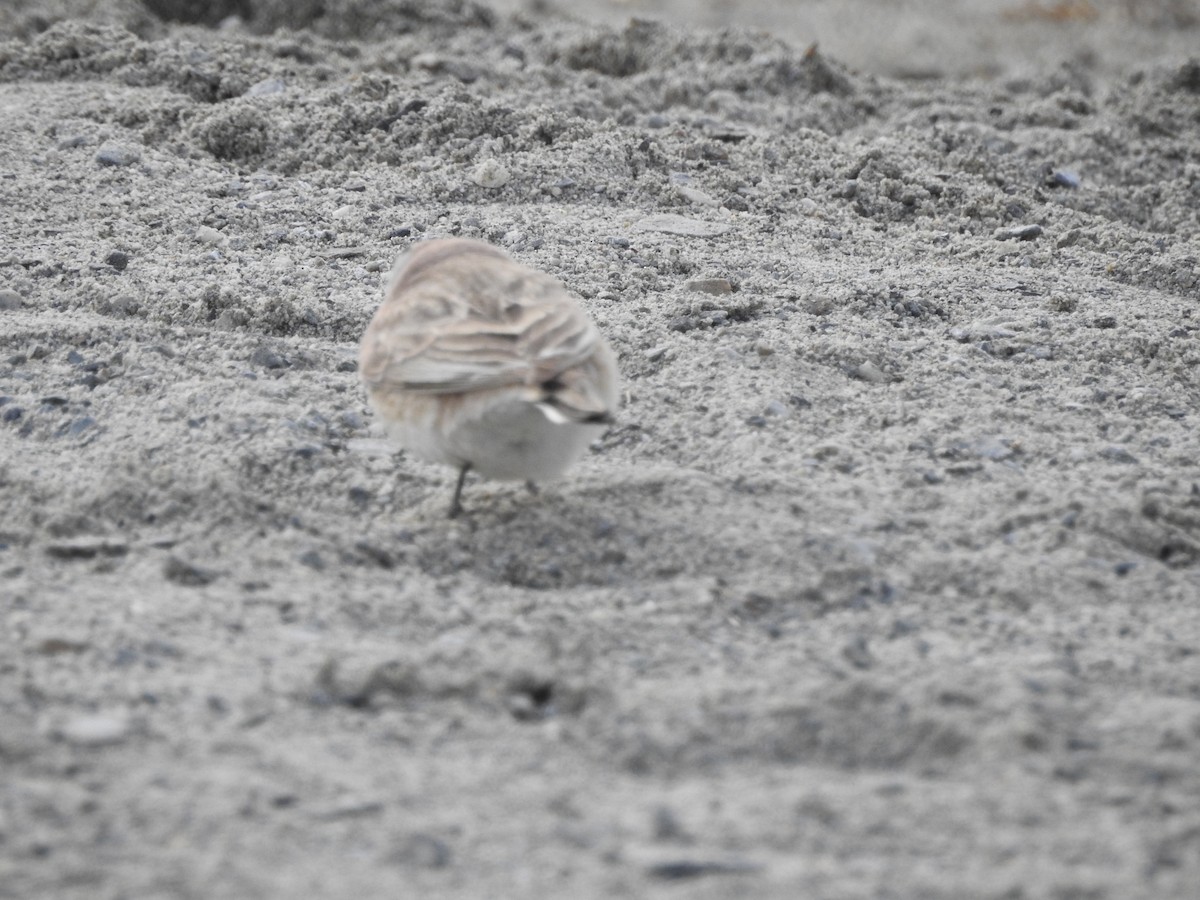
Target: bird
{"type": "Point", "coordinates": [477, 361]}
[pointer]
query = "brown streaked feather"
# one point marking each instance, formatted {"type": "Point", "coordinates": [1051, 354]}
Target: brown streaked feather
{"type": "Point", "coordinates": [449, 325]}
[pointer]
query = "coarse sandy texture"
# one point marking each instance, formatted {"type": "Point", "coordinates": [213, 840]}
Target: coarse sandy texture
{"type": "Point", "coordinates": [887, 584]}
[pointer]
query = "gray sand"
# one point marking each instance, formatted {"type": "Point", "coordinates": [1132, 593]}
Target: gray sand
{"type": "Point", "coordinates": [887, 583]}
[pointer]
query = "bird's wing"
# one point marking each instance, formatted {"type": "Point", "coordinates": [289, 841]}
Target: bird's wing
{"type": "Point", "coordinates": [456, 338]}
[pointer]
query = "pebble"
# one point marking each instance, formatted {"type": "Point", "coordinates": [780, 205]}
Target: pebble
{"type": "Point", "coordinates": [80, 425]}
{"type": "Point", "coordinates": [698, 197]}
{"type": "Point", "coordinates": [87, 548]}
{"type": "Point", "coordinates": [679, 870]}
{"type": "Point", "coordinates": [710, 286]}
{"type": "Point", "coordinates": [117, 156]}
{"type": "Point", "coordinates": [118, 260]}
{"type": "Point", "coordinates": [267, 358]}
{"type": "Point", "coordinates": [869, 372]}
{"type": "Point", "coordinates": [1105, 322]}
{"type": "Point", "coordinates": [490, 174]}
{"type": "Point", "coordinates": [669, 223]}
{"type": "Point", "coordinates": [1064, 178]}
{"type": "Point", "coordinates": [266, 87]}
{"type": "Point", "coordinates": [1018, 233]}
{"type": "Point", "coordinates": [775, 408]}
{"type": "Point", "coordinates": [206, 234]}
{"type": "Point", "coordinates": [95, 730]}
{"type": "Point", "coordinates": [1118, 455]}
{"type": "Point", "coordinates": [9, 300]}
{"type": "Point", "coordinates": [187, 574]}
{"type": "Point", "coordinates": [655, 353]}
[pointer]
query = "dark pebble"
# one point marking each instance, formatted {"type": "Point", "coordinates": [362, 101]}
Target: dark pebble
{"type": "Point", "coordinates": [13, 413]}
{"type": "Point", "coordinates": [117, 260]}
{"type": "Point", "coordinates": [10, 300]}
{"type": "Point", "coordinates": [1063, 178]}
{"type": "Point", "coordinates": [683, 323]}
{"type": "Point", "coordinates": [858, 653]}
{"type": "Point", "coordinates": [312, 559]}
{"type": "Point", "coordinates": [619, 242]}
{"type": "Point", "coordinates": [757, 421]}
{"type": "Point", "coordinates": [75, 358]}
{"type": "Point", "coordinates": [1124, 568]}
{"type": "Point", "coordinates": [1019, 233]}
{"type": "Point", "coordinates": [376, 554]}
{"type": "Point", "coordinates": [1105, 322]}
{"type": "Point", "coordinates": [352, 420]}
{"type": "Point", "coordinates": [267, 358]}
{"type": "Point", "coordinates": [187, 574]}
{"type": "Point", "coordinates": [1118, 455]}
{"type": "Point", "coordinates": [117, 156]}
{"type": "Point", "coordinates": [425, 851]}
{"type": "Point", "coordinates": [688, 868]}
{"type": "Point", "coordinates": [80, 425]}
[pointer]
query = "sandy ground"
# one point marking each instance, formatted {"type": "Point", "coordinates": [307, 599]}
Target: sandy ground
{"type": "Point", "coordinates": [887, 583]}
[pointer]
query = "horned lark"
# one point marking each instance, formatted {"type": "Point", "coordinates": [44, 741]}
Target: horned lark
{"type": "Point", "coordinates": [479, 362]}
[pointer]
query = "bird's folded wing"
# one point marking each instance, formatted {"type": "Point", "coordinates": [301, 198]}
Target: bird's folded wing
{"type": "Point", "coordinates": [476, 355]}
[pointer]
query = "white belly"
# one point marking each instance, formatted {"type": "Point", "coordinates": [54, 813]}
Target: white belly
{"type": "Point", "coordinates": [512, 441]}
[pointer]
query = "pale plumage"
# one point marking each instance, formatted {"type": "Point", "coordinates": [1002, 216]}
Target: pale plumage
{"type": "Point", "coordinates": [479, 362]}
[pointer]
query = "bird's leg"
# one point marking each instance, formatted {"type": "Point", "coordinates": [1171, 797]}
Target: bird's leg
{"type": "Point", "coordinates": [456, 504]}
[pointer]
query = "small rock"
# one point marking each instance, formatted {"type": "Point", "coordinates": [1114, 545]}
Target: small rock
{"type": "Point", "coordinates": [775, 408]}
{"type": "Point", "coordinates": [118, 260]}
{"type": "Point", "coordinates": [490, 174]}
{"type": "Point", "coordinates": [266, 87]}
{"type": "Point", "coordinates": [80, 425]}
{"type": "Point", "coordinates": [267, 358]}
{"type": "Point", "coordinates": [1118, 455]}
{"type": "Point", "coordinates": [424, 851]}
{"type": "Point", "coordinates": [87, 548]}
{"type": "Point", "coordinates": [187, 574]}
{"type": "Point", "coordinates": [870, 373]}
{"type": "Point", "coordinates": [698, 197]}
{"type": "Point", "coordinates": [1104, 322]}
{"type": "Point", "coordinates": [668, 223]}
{"type": "Point", "coordinates": [656, 353]}
{"type": "Point", "coordinates": [619, 242]}
{"type": "Point", "coordinates": [858, 653]}
{"type": "Point", "coordinates": [312, 559]}
{"type": "Point", "coordinates": [710, 286]}
{"type": "Point", "coordinates": [205, 234]}
{"type": "Point", "coordinates": [95, 730]}
{"type": "Point", "coordinates": [9, 300]}
{"type": "Point", "coordinates": [1018, 233]}
{"type": "Point", "coordinates": [757, 422]}
{"type": "Point", "coordinates": [1063, 178]}
{"type": "Point", "coordinates": [688, 868]}
{"type": "Point", "coordinates": [117, 156]}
